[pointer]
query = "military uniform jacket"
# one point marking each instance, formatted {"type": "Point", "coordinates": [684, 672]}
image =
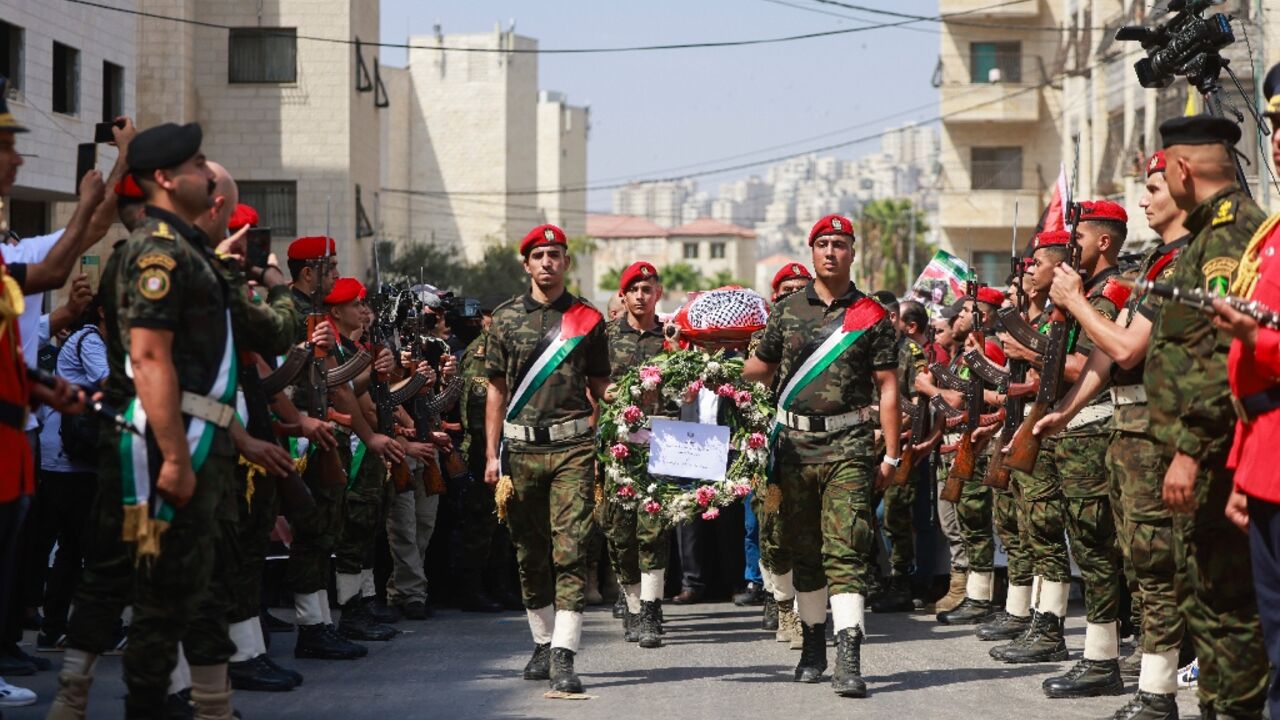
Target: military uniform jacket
{"type": "Point", "coordinates": [912, 361]}
{"type": "Point", "coordinates": [629, 349]}
{"type": "Point", "coordinates": [475, 386]}
{"type": "Point", "coordinates": [846, 385]}
{"type": "Point", "coordinates": [1190, 405]}
{"type": "Point", "coordinates": [166, 277]}
{"type": "Point", "coordinates": [518, 326]}
{"type": "Point", "coordinates": [1106, 295]}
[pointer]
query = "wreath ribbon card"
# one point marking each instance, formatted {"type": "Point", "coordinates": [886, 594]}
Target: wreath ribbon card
{"type": "Point", "coordinates": [689, 450]}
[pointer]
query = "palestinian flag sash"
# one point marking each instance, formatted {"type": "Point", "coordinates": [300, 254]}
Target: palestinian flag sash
{"type": "Point", "coordinates": [551, 352]}
{"type": "Point", "coordinates": [829, 344]}
{"type": "Point", "coordinates": [146, 515]}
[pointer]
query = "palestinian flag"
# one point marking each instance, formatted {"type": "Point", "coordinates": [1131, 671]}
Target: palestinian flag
{"type": "Point", "coordinates": [552, 350]}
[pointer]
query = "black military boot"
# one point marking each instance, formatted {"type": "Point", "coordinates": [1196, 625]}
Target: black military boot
{"type": "Point", "coordinates": [1087, 678]}
{"type": "Point", "coordinates": [358, 624]}
{"type": "Point", "coordinates": [177, 706]}
{"type": "Point", "coordinates": [1042, 643]}
{"type": "Point", "coordinates": [630, 624]}
{"type": "Point", "coordinates": [475, 598]}
{"type": "Point", "coordinates": [813, 656]}
{"type": "Point", "coordinates": [847, 678]}
{"type": "Point", "coordinates": [894, 596]}
{"type": "Point", "coordinates": [649, 626]}
{"type": "Point", "coordinates": [539, 666]}
{"type": "Point", "coordinates": [380, 611]}
{"type": "Point", "coordinates": [770, 621]}
{"type": "Point", "coordinates": [256, 675]}
{"type": "Point", "coordinates": [620, 605]}
{"type": "Point", "coordinates": [290, 673]}
{"type": "Point", "coordinates": [968, 612]}
{"type": "Point", "coordinates": [1003, 627]}
{"type": "Point", "coordinates": [563, 678]}
{"type": "Point", "coordinates": [1131, 664]}
{"type": "Point", "coordinates": [1149, 706]}
{"type": "Point", "coordinates": [320, 642]}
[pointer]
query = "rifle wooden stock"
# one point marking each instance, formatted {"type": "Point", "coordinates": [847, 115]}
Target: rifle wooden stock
{"type": "Point", "coordinates": [952, 488]}
{"type": "Point", "coordinates": [902, 473]}
{"type": "Point", "coordinates": [997, 471]}
{"type": "Point", "coordinates": [342, 419]}
{"type": "Point", "coordinates": [330, 474]}
{"type": "Point", "coordinates": [432, 479]}
{"type": "Point", "coordinates": [295, 496]}
{"type": "Point", "coordinates": [400, 476]}
{"type": "Point", "coordinates": [454, 466]}
{"type": "Point", "coordinates": [1025, 446]}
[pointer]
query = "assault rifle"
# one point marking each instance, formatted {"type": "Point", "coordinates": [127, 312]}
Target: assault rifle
{"type": "Point", "coordinates": [1016, 387]}
{"type": "Point", "coordinates": [966, 460]}
{"type": "Point", "coordinates": [382, 335]}
{"type": "Point", "coordinates": [427, 409]}
{"type": "Point", "coordinates": [918, 417]}
{"type": "Point", "coordinates": [1202, 301]}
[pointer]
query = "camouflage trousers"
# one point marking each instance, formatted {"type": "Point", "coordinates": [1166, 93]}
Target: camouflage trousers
{"type": "Point", "coordinates": [1145, 528]}
{"type": "Point", "coordinates": [252, 532]}
{"type": "Point", "coordinates": [173, 597]}
{"type": "Point", "coordinates": [1042, 515]}
{"type": "Point", "coordinates": [947, 515]}
{"type": "Point", "coordinates": [1214, 586]}
{"type": "Point", "coordinates": [638, 541]}
{"type": "Point", "coordinates": [316, 530]}
{"type": "Point", "coordinates": [368, 496]}
{"type": "Point", "coordinates": [973, 512]}
{"type": "Point", "coordinates": [1080, 461]}
{"type": "Point", "coordinates": [478, 518]}
{"type": "Point", "coordinates": [1017, 551]}
{"type": "Point", "coordinates": [774, 554]}
{"type": "Point", "coordinates": [550, 516]}
{"type": "Point", "coordinates": [826, 518]}
{"type": "Point", "coordinates": [898, 501]}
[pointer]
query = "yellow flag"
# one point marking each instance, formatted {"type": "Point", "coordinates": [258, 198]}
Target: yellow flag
{"type": "Point", "coordinates": [1191, 103]}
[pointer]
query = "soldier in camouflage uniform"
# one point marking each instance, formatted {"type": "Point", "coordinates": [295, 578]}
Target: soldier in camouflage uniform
{"type": "Point", "coordinates": [547, 350]}
{"type": "Point", "coordinates": [1192, 418]}
{"type": "Point", "coordinates": [1134, 463]}
{"type": "Point", "coordinates": [638, 541]}
{"type": "Point", "coordinates": [829, 345]}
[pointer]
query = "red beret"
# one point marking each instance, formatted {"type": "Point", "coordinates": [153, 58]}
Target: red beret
{"type": "Point", "coordinates": [243, 215]}
{"type": "Point", "coordinates": [543, 235]}
{"type": "Point", "coordinates": [345, 290]}
{"type": "Point", "coordinates": [790, 271]}
{"type": "Point", "coordinates": [310, 248]}
{"type": "Point", "coordinates": [990, 296]}
{"type": "Point", "coordinates": [831, 225]}
{"type": "Point", "coordinates": [127, 189]}
{"type": "Point", "coordinates": [1156, 163]}
{"type": "Point", "coordinates": [994, 352]}
{"type": "Point", "coordinates": [634, 272]}
{"type": "Point", "coordinates": [1103, 210]}
{"type": "Point", "coordinates": [1052, 237]}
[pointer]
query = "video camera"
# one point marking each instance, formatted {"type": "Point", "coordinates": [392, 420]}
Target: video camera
{"type": "Point", "coordinates": [1188, 45]}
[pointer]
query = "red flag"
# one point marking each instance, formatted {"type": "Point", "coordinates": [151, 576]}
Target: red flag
{"type": "Point", "coordinates": [1055, 216]}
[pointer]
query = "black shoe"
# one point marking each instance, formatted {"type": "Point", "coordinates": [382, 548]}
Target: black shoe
{"type": "Point", "coordinates": [47, 643]}
{"type": "Point", "coordinates": [1087, 678]}
{"type": "Point", "coordinates": [1131, 664]}
{"type": "Point", "coordinates": [290, 673]}
{"type": "Point", "coordinates": [358, 624]}
{"type": "Point", "coordinates": [273, 624]}
{"type": "Point", "coordinates": [968, 612]}
{"type": "Point", "coordinates": [256, 675]}
{"type": "Point", "coordinates": [847, 678]}
{"type": "Point", "coordinates": [894, 596]}
{"type": "Point", "coordinates": [649, 625]}
{"type": "Point", "coordinates": [320, 642]}
{"type": "Point", "coordinates": [753, 595]}
{"type": "Point", "coordinates": [177, 706]}
{"type": "Point", "coordinates": [1003, 627]}
{"type": "Point", "coordinates": [630, 625]}
{"type": "Point", "coordinates": [380, 611]}
{"type": "Point", "coordinates": [11, 666]}
{"type": "Point", "coordinates": [688, 597]}
{"type": "Point", "coordinates": [813, 656]}
{"type": "Point", "coordinates": [770, 621]}
{"type": "Point", "coordinates": [41, 664]}
{"type": "Point", "coordinates": [415, 610]}
{"type": "Point", "coordinates": [563, 678]}
{"type": "Point", "coordinates": [1149, 706]}
{"type": "Point", "coordinates": [620, 606]}
{"type": "Point", "coordinates": [1042, 643]}
{"type": "Point", "coordinates": [539, 666]}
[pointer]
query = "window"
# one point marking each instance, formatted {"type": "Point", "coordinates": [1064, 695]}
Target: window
{"type": "Point", "coordinates": [276, 203]}
{"type": "Point", "coordinates": [1006, 57]}
{"type": "Point", "coordinates": [66, 79]}
{"type": "Point", "coordinates": [995, 168]}
{"type": "Point", "coordinates": [262, 55]}
{"type": "Point", "coordinates": [717, 251]}
{"type": "Point", "coordinates": [11, 46]}
{"type": "Point", "coordinates": [992, 268]}
{"type": "Point", "coordinates": [691, 251]}
{"type": "Point", "coordinates": [112, 91]}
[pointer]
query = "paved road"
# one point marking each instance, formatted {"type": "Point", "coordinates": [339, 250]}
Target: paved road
{"type": "Point", "coordinates": [716, 663]}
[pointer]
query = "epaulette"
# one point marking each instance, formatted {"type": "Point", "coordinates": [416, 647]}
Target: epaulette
{"type": "Point", "coordinates": [1116, 291]}
{"type": "Point", "coordinates": [1225, 213]}
{"type": "Point", "coordinates": [915, 348]}
{"type": "Point", "coordinates": [163, 232]}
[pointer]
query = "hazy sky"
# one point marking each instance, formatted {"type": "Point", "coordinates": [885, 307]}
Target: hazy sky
{"type": "Point", "coordinates": [669, 112]}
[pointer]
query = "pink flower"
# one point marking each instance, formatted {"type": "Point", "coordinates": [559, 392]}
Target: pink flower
{"type": "Point", "coordinates": [620, 451]}
{"type": "Point", "coordinates": [632, 415]}
{"type": "Point", "coordinates": [704, 495]}
{"type": "Point", "coordinates": [653, 507]}
{"type": "Point", "coordinates": [726, 390]}
{"type": "Point", "coordinates": [743, 398]}
{"type": "Point", "coordinates": [626, 492]}
{"type": "Point", "coordinates": [650, 374]}
{"type": "Point", "coordinates": [711, 514]}
{"type": "Point", "coordinates": [695, 386]}
{"type": "Point", "coordinates": [741, 490]}
{"type": "Point", "coordinates": [755, 441]}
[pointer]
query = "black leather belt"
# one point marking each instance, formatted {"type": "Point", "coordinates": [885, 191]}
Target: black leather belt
{"type": "Point", "coordinates": [15, 416]}
{"type": "Point", "coordinates": [1251, 407]}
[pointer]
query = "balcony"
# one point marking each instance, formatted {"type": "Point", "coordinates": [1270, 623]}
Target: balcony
{"type": "Point", "coordinates": [984, 88]}
{"type": "Point", "coordinates": [982, 9]}
{"type": "Point", "coordinates": [976, 209]}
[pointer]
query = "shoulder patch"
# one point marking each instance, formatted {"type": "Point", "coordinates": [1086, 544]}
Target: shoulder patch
{"type": "Point", "coordinates": [1226, 213]}
{"type": "Point", "coordinates": [915, 348]}
{"type": "Point", "coordinates": [1217, 274]}
{"type": "Point", "coordinates": [157, 260]}
{"type": "Point", "coordinates": [154, 283]}
{"type": "Point", "coordinates": [163, 232]}
{"type": "Point", "coordinates": [1116, 292]}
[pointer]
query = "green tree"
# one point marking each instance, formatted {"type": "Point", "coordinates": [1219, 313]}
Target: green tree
{"type": "Point", "coordinates": [722, 278]}
{"type": "Point", "coordinates": [681, 277]}
{"type": "Point", "coordinates": [611, 279]}
{"type": "Point", "coordinates": [499, 272]}
{"type": "Point", "coordinates": [892, 235]}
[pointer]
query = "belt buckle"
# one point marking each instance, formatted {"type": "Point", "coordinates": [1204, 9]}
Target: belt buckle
{"type": "Point", "coordinates": [1241, 412]}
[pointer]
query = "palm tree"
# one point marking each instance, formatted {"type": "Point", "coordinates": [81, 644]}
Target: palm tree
{"type": "Point", "coordinates": [892, 231]}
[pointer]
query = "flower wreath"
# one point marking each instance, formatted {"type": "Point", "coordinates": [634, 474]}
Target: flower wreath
{"type": "Point", "coordinates": [678, 377]}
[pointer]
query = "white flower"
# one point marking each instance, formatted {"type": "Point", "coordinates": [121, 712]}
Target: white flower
{"type": "Point", "coordinates": [649, 384]}
{"type": "Point", "coordinates": [712, 368]}
{"type": "Point", "coordinates": [635, 392]}
{"type": "Point", "coordinates": [623, 434]}
{"type": "Point", "coordinates": [653, 487]}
